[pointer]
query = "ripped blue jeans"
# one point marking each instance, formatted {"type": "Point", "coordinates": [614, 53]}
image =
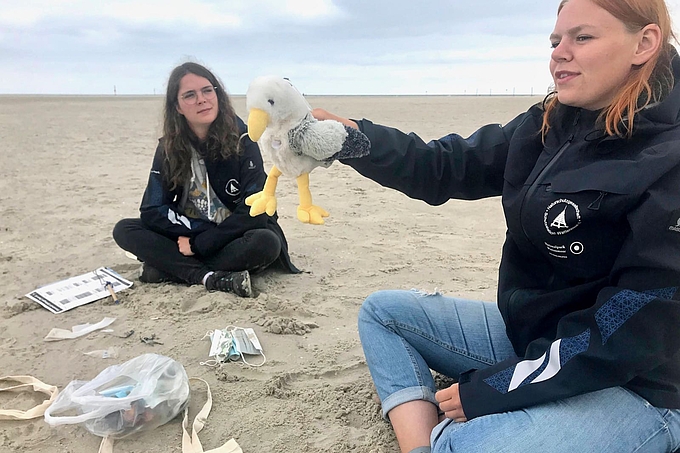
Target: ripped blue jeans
{"type": "Point", "coordinates": [405, 334]}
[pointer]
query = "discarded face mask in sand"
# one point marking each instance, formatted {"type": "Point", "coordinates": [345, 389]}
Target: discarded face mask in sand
{"type": "Point", "coordinates": [232, 344]}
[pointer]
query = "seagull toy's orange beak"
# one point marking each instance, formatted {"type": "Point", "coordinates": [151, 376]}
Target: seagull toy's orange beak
{"type": "Point", "coordinates": [258, 120]}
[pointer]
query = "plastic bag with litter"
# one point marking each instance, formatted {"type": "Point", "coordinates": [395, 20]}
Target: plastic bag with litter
{"type": "Point", "coordinates": [140, 394]}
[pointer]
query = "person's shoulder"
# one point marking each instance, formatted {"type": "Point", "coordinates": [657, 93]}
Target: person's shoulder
{"type": "Point", "coordinates": [242, 129]}
{"type": "Point", "coordinates": [160, 147]}
{"type": "Point", "coordinates": [537, 109]}
{"type": "Point", "coordinates": [532, 119]}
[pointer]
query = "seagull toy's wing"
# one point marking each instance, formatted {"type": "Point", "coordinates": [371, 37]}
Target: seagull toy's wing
{"type": "Point", "coordinates": [319, 140]}
{"type": "Point", "coordinates": [327, 140]}
{"type": "Point", "coordinates": [356, 145]}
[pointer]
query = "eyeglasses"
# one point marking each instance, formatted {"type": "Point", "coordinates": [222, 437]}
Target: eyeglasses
{"type": "Point", "coordinates": [190, 97]}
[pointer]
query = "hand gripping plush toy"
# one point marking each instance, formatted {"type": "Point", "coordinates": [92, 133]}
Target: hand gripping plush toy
{"type": "Point", "coordinates": [280, 121]}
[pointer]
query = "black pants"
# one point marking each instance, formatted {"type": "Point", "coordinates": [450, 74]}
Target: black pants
{"type": "Point", "coordinates": [253, 252]}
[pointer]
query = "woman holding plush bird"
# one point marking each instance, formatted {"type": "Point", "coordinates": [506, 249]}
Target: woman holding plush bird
{"type": "Point", "coordinates": [194, 226]}
{"type": "Point", "coordinates": [581, 353]}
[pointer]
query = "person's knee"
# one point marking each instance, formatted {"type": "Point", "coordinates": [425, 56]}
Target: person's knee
{"type": "Point", "coordinates": [384, 302]}
{"type": "Point", "coordinates": [267, 242]}
{"type": "Point", "coordinates": [369, 306]}
{"type": "Point", "coordinates": [377, 307]}
{"type": "Point", "coordinates": [121, 232]}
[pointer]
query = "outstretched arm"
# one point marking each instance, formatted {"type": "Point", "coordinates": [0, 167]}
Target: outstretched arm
{"type": "Point", "coordinates": [321, 115]}
{"type": "Point", "coordinates": [439, 170]}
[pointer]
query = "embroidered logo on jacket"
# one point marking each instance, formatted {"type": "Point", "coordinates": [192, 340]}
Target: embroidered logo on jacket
{"type": "Point", "coordinates": [251, 165]}
{"type": "Point", "coordinates": [561, 217]}
{"type": "Point", "coordinates": [233, 187]}
{"type": "Point", "coordinates": [676, 220]}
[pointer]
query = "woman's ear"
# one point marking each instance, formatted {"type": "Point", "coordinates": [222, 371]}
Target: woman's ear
{"type": "Point", "coordinates": [648, 44]}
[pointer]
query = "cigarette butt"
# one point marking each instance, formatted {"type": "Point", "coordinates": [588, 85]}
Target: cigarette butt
{"type": "Point", "coordinates": [109, 286]}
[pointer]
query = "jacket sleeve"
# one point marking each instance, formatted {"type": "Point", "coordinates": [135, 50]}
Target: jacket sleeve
{"type": "Point", "coordinates": [451, 167]}
{"type": "Point", "coordinates": [630, 331]}
{"type": "Point", "coordinates": [252, 181]}
{"type": "Point", "coordinates": [159, 209]}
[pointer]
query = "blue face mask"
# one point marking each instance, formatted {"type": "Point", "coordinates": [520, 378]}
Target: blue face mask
{"type": "Point", "coordinates": [233, 353]}
{"type": "Point", "coordinates": [233, 343]}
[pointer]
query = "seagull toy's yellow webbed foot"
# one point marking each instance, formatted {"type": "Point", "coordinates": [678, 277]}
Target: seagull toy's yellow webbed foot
{"type": "Point", "coordinates": [311, 214]}
{"type": "Point", "coordinates": [306, 211]}
{"type": "Point", "coordinates": [261, 202]}
{"type": "Point", "coordinates": [265, 201]}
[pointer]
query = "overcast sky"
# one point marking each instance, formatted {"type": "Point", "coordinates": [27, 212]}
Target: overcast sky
{"type": "Point", "coordinates": [323, 46]}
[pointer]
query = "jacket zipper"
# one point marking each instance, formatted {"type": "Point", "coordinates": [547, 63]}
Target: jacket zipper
{"type": "Point", "coordinates": [539, 178]}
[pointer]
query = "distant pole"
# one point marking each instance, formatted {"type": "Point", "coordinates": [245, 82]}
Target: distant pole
{"type": "Point", "coordinates": [114, 91]}
{"type": "Point", "coordinates": [489, 91]}
{"type": "Point", "coordinates": [513, 91]}
{"type": "Point", "coordinates": [532, 91]}
{"type": "Point", "coordinates": [477, 92]}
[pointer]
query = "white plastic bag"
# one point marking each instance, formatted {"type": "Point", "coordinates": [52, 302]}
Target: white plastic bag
{"type": "Point", "coordinates": [140, 394]}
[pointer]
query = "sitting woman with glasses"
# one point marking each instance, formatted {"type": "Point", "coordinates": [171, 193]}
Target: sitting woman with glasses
{"type": "Point", "coordinates": [194, 226]}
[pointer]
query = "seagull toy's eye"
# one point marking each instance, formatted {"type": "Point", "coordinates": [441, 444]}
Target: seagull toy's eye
{"type": "Point", "coordinates": [271, 101]}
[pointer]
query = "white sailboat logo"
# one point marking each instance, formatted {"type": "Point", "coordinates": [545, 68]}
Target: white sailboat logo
{"type": "Point", "coordinates": [233, 188]}
{"type": "Point", "coordinates": [559, 225]}
{"type": "Point", "coordinates": [560, 221]}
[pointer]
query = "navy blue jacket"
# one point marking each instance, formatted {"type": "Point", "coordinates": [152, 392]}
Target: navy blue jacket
{"type": "Point", "coordinates": [590, 269]}
{"type": "Point", "coordinates": [232, 180]}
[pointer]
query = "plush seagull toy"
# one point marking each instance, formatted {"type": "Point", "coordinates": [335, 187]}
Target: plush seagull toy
{"type": "Point", "coordinates": [281, 122]}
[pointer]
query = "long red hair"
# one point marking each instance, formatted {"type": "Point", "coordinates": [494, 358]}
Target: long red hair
{"type": "Point", "coordinates": [647, 83]}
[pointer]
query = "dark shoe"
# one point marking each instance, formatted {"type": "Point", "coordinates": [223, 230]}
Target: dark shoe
{"type": "Point", "coordinates": [230, 282]}
{"type": "Point", "coordinates": [148, 274]}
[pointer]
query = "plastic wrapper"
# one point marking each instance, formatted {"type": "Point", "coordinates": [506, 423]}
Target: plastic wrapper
{"type": "Point", "coordinates": [138, 395]}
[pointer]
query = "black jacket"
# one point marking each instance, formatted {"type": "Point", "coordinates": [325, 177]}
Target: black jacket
{"type": "Point", "coordinates": [232, 180]}
{"type": "Point", "coordinates": [590, 269]}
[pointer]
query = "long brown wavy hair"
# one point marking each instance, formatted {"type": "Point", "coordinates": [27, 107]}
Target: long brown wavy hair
{"type": "Point", "coordinates": [647, 83]}
{"type": "Point", "coordinates": [223, 135]}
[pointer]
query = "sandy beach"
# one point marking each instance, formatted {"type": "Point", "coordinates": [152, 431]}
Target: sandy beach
{"type": "Point", "coordinates": [71, 167]}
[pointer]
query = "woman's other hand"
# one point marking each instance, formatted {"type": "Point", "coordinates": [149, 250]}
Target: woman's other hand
{"type": "Point", "coordinates": [449, 402]}
{"type": "Point", "coordinates": [322, 115]}
{"type": "Point", "coordinates": [184, 246]}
